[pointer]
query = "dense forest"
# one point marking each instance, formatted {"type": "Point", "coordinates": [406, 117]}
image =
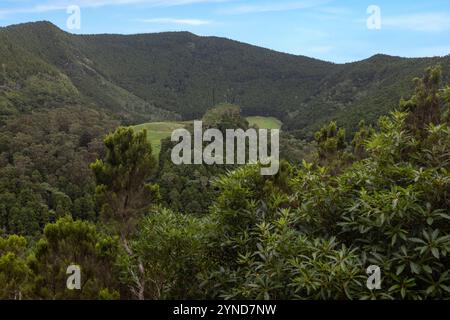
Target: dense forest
{"type": "Point", "coordinates": [168, 76]}
{"type": "Point", "coordinates": [364, 176]}
{"type": "Point", "coordinates": [307, 233]}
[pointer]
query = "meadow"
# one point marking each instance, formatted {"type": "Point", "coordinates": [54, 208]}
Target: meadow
{"type": "Point", "coordinates": [265, 122]}
{"type": "Point", "coordinates": [157, 131]}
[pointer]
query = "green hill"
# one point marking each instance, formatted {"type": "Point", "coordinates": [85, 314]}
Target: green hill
{"type": "Point", "coordinates": [178, 76]}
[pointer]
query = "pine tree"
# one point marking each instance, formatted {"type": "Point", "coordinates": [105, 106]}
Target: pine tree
{"type": "Point", "coordinates": [122, 191]}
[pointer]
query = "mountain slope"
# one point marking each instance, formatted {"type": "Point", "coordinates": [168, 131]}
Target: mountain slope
{"type": "Point", "coordinates": [57, 52]}
{"type": "Point", "coordinates": [361, 90]}
{"type": "Point", "coordinates": [189, 74]}
{"type": "Point", "coordinates": [177, 75]}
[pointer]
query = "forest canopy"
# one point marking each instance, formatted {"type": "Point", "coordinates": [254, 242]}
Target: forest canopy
{"type": "Point", "coordinates": [378, 197]}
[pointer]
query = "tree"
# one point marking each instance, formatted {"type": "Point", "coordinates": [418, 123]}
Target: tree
{"type": "Point", "coordinates": [122, 191]}
{"type": "Point", "coordinates": [359, 140]}
{"type": "Point", "coordinates": [67, 242]}
{"type": "Point", "coordinates": [330, 139]}
{"type": "Point", "coordinates": [14, 272]}
{"type": "Point", "coordinates": [174, 252]}
{"type": "Point", "coordinates": [331, 147]}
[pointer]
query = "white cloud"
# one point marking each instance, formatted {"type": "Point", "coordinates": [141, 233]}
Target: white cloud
{"type": "Point", "coordinates": [188, 22]}
{"type": "Point", "coordinates": [427, 22]}
{"type": "Point", "coordinates": [273, 7]}
{"type": "Point", "coordinates": [56, 5]}
{"type": "Point", "coordinates": [35, 9]}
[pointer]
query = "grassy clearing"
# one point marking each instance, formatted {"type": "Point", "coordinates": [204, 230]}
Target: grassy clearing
{"type": "Point", "coordinates": [157, 131]}
{"type": "Point", "coordinates": [265, 122]}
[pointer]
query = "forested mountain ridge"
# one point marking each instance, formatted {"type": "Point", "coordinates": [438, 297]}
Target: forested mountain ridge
{"type": "Point", "coordinates": [178, 74]}
{"type": "Point", "coordinates": [362, 90]}
{"type": "Point", "coordinates": [43, 67]}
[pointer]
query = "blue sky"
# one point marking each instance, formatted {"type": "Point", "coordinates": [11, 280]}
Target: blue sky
{"type": "Point", "coordinates": [333, 30]}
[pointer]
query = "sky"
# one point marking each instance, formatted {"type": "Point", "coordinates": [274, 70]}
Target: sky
{"type": "Point", "coordinates": [334, 30]}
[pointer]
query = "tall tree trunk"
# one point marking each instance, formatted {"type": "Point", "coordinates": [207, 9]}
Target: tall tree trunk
{"type": "Point", "coordinates": [138, 289]}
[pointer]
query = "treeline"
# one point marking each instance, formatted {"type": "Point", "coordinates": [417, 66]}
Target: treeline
{"type": "Point", "coordinates": [309, 232]}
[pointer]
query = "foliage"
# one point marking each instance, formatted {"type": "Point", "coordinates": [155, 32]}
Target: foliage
{"type": "Point", "coordinates": [44, 172]}
{"type": "Point", "coordinates": [390, 209]}
{"type": "Point", "coordinates": [66, 243]}
{"type": "Point", "coordinates": [424, 106]}
{"type": "Point", "coordinates": [122, 191]}
{"type": "Point", "coordinates": [308, 232]}
{"type": "Point", "coordinates": [14, 271]}
{"type": "Point", "coordinates": [188, 188]}
{"type": "Point", "coordinates": [358, 143]}
{"type": "Point", "coordinates": [332, 147]}
{"type": "Point", "coordinates": [174, 250]}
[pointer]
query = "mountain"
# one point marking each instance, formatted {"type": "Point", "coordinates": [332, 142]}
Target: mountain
{"type": "Point", "coordinates": [43, 67]}
{"type": "Point", "coordinates": [178, 75]}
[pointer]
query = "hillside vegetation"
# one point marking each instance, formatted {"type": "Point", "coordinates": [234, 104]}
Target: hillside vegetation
{"type": "Point", "coordinates": [143, 230]}
{"type": "Point", "coordinates": [82, 118]}
{"type": "Point", "coordinates": [179, 76]}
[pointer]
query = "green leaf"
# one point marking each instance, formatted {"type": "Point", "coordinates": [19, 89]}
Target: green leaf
{"type": "Point", "coordinates": [414, 267]}
{"type": "Point", "coordinates": [403, 292]}
{"type": "Point", "coordinates": [400, 269]}
{"type": "Point", "coordinates": [435, 252]}
{"type": "Point", "coordinates": [445, 288]}
{"type": "Point", "coordinates": [427, 269]}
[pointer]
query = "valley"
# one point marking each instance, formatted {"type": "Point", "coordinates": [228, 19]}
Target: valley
{"type": "Point", "coordinates": [177, 76]}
